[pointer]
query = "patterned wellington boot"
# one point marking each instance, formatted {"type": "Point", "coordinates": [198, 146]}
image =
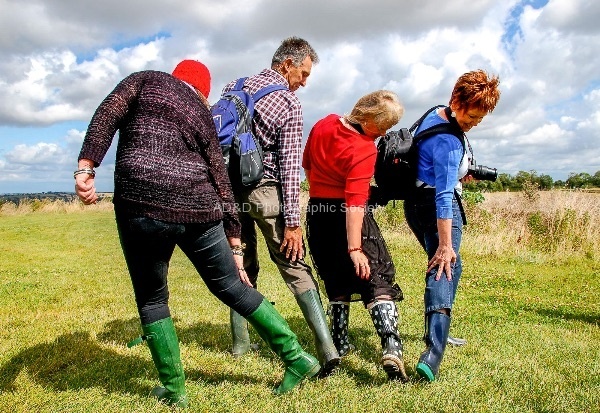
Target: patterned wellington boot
{"type": "Point", "coordinates": [385, 319]}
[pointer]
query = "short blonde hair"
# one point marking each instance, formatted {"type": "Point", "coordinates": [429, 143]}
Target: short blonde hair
{"type": "Point", "coordinates": [381, 106]}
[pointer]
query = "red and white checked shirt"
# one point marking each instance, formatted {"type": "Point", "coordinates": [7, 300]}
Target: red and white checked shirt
{"type": "Point", "coordinates": [278, 124]}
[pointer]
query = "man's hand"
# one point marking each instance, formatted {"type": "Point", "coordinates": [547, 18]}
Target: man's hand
{"type": "Point", "coordinates": [292, 243]}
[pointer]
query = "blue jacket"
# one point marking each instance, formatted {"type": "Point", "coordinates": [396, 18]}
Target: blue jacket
{"type": "Point", "coordinates": [438, 165]}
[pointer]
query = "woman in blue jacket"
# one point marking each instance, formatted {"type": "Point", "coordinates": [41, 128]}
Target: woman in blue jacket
{"type": "Point", "coordinates": [435, 214]}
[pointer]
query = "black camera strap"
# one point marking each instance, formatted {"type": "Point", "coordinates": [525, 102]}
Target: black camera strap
{"type": "Point", "coordinates": [453, 129]}
{"type": "Point", "coordinates": [463, 136]}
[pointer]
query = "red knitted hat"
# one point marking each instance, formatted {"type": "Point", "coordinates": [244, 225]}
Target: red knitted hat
{"type": "Point", "coordinates": [194, 73]}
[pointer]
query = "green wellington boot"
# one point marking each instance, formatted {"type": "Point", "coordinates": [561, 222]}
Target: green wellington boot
{"type": "Point", "coordinates": [312, 309]}
{"type": "Point", "coordinates": [239, 334]}
{"type": "Point", "coordinates": [275, 331]}
{"type": "Point", "coordinates": [164, 347]}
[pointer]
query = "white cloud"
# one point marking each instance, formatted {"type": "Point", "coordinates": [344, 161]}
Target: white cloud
{"type": "Point", "coordinates": [41, 154]}
{"type": "Point", "coordinates": [572, 15]}
{"type": "Point", "coordinates": [60, 68]}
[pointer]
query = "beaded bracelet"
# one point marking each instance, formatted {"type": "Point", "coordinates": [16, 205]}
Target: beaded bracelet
{"type": "Point", "coordinates": [354, 249]}
{"type": "Point", "coordinates": [89, 171]}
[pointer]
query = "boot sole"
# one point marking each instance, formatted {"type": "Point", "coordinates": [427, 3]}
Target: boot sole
{"type": "Point", "coordinates": [314, 371]}
{"type": "Point", "coordinates": [329, 367]}
{"type": "Point", "coordinates": [169, 398]}
{"type": "Point", "coordinates": [394, 367]}
{"type": "Point", "coordinates": [457, 342]}
{"type": "Point", "coordinates": [425, 372]}
{"type": "Point", "coordinates": [299, 378]}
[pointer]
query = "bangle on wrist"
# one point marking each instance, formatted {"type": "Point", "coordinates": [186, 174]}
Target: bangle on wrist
{"type": "Point", "coordinates": [238, 249]}
{"type": "Point", "coordinates": [86, 170]}
{"type": "Point", "coordinates": [354, 249]}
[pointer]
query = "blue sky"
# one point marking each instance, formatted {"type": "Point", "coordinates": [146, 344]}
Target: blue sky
{"type": "Point", "coordinates": [54, 73]}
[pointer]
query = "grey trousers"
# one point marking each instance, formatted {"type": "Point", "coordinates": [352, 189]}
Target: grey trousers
{"type": "Point", "coordinates": [262, 207]}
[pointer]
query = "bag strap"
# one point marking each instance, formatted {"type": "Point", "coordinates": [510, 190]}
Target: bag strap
{"type": "Point", "coordinates": [266, 90]}
{"type": "Point", "coordinates": [420, 120]}
{"type": "Point", "coordinates": [451, 128]}
{"type": "Point", "coordinates": [239, 84]}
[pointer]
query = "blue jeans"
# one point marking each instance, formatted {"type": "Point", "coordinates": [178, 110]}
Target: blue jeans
{"type": "Point", "coordinates": [148, 245]}
{"type": "Point", "coordinates": [421, 217]}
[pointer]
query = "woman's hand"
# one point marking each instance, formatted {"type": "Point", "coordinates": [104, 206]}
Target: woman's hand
{"type": "Point", "coordinates": [84, 181]}
{"type": "Point", "coordinates": [239, 263]}
{"type": "Point", "coordinates": [444, 256]}
{"type": "Point", "coordinates": [354, 221]}
{"type": "Point", "coordinates": [443, 259]}
{"type": "Point", "coordinates": [237, 249]}
{"type": "Point", "coordinates": [85, 189]}
{"type": "Point", "coordinates": [361, 264]}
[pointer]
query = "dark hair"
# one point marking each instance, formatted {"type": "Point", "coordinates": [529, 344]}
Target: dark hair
{"type": "Point", "coordinates": [296, 49]}
{"type": "Point", "coordinates": [476, 90]}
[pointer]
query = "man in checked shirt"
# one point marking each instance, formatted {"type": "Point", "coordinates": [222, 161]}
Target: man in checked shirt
{"type": "Point", "coordinates": [274, 204]}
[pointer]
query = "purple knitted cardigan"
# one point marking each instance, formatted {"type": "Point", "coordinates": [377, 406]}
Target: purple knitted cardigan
{"type": "Point", "coordinates": [169, 163]}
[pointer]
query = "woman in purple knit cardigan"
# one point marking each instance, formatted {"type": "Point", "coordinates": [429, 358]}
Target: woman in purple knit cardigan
{"type": "Point", "coordinates": [172, 189]}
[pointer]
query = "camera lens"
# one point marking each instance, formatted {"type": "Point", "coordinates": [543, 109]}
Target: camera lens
{"type": "Point", "coordinates": [483, 173]}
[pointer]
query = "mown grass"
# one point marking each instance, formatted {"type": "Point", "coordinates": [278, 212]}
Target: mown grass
{"type": "Point", "coordinates": [531, 316]}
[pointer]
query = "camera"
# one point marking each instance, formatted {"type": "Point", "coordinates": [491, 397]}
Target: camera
{"type": "Point", "coordinates": [481, 172]}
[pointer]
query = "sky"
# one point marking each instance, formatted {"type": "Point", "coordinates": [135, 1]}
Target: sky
{"type": "Point", "coordinates": [59, 59]}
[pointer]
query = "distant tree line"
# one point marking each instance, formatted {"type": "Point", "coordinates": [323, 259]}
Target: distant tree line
{"type": "Point", "coordinates": [506, 182]}
{"type": "Point", "coordinates": [52, 196]}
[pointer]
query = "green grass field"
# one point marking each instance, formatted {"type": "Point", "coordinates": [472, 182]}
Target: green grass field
{"type": "Point", "coordinates": [67, 312]}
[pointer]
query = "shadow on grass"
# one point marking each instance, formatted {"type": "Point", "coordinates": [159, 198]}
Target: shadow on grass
{"type": "Point", "coordinates": [567, 314]}
{"type": "Point", "coordinates": [217, 337]}
{"type": "Point", "coordinates": [214, 337]}
{"type": "Point", "coordinates": [562, 312]}
{"type": "Point", "coordinates": [76, 361]}
{"type": "Point", "coordinates": [367, 347]}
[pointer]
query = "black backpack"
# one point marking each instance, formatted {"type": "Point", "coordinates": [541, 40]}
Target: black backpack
{"type": "Point", "coordinates": [396, 164]}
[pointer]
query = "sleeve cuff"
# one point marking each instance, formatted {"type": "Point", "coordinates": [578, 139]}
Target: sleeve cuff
{"type": "Point", "coordinates": [445, 213]}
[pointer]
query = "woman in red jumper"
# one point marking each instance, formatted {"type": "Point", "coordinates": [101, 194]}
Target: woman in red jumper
{"type": "Point", "coordinates": [345, 243]}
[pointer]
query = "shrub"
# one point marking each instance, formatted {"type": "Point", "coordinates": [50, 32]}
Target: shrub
{"type": "Point", "coordinates": [559, 232]}
{"type": "Point", "coordinates": [391, 217]}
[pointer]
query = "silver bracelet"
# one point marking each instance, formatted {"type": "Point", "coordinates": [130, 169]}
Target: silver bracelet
{"type": "Point", "coordinates": [89, 171]}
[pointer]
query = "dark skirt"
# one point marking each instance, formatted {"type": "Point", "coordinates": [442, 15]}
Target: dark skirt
{"type": "Point", "coordinates": [328, 246]}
